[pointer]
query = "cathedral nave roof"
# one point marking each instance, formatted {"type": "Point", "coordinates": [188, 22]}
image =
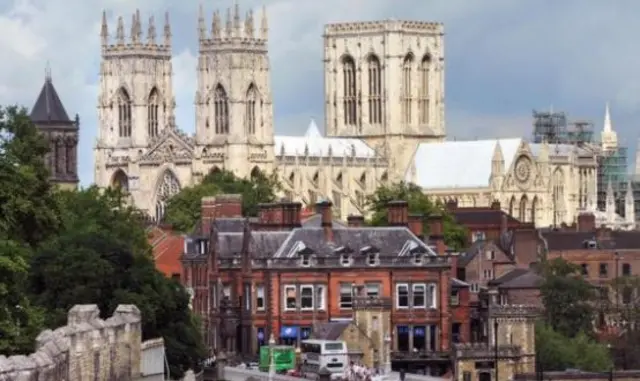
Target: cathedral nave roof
{"type": "Point", "coordinates": [313, 143]}
{"type": "Point", "coordinates": [459, 164]}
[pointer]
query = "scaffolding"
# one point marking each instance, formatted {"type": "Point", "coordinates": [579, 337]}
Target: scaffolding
{"type": "Point", "coordinates": [612, 168]}
{"type": "Point", "coordinates": [554, 128]}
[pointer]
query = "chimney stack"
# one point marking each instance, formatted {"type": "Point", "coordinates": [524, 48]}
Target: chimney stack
{"type": "Point", "coordinates": [208, 208]}
{"type": "Point", "coordinates": [355, 221]}
{"type": "Point", "coordinates": [397, 213]}
{"type": "Point", "coordinates": [416, 225]}
{"type": "Point", "coordinates": [324, 208]}
{"type": "Point", "coordinates": [451, 206]}
{"type": "Point", "coordinates": [586, 222]}
{"type": "Point", "coordinates": [263, 216]}
{"type": "Point", "coordinates": [229, 205]}
{"type": "Point", "coordinates": [296, 214]}
{"type": "Point", "coordinates": [436, 231]}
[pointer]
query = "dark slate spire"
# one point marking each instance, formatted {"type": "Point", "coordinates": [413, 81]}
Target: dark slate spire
{"type": "Point", "coordinates": [48, 109]}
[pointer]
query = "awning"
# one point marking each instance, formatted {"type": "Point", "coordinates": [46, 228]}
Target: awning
{"type": "Point", "coordinates": [289, 332]}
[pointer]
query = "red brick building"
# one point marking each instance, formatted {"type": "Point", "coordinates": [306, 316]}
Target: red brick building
{"type": "Point", "coordinates": [276, 276]}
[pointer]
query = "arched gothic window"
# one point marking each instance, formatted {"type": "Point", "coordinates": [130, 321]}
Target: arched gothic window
{"type": "Point", "coordinates": [250, 112]}
{"type": "Point", "coordinates": [350, 91]}
{"type": "Point", "coordinates": [423, 102]}
{"type": "Point", "coordinates": [120, 180]}
{"type": "Point", "coordinates": [168, 187]}
{"type": "Point", "coordinates": [124, 114]}
{"type": "Point", "coordinates": [557, 192]}
{"type": "Point", "coordinates": [375, 90]}
{"type": "Point", "coordinates": [152, 112]}
{"type": "Point", "coordinates": [406, 88]}
{"type": "Point", "coordinates": [523, 209]}
{"type": "Point", "coordinates": [221, 109]}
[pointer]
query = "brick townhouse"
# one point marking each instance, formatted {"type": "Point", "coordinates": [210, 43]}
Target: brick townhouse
{"type": "Point", "coordinates": [276, 276]}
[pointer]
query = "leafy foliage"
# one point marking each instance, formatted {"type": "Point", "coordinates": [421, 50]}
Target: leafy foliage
{"type": "Point", "coordinates": [626, 346]}
{"type": "Point", "coordinates": [568, 298]}
{"type": "Point", "coordinates": [556, 351]}
{"type": "Point", "coordinates": [455, 236]}
{"type": "Point", "coordinates": [28, 215]}
{"type": "Point", "coordinates": [183, 209]}
{"type": "Point", "coordinates": [101, 256]}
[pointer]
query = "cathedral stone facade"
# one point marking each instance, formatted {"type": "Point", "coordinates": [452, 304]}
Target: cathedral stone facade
{"type": "Point", "coordinates": [371, 136]}
{"type": "Point", "coordinates": [384, 121]}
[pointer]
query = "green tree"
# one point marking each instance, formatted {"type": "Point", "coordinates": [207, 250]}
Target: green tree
{"type": "Point", "coordinates": [626, 342]}
{"type": "Point", "coordinates": [102, 256]}
{"type": "Point", "coordinates": [28, 215]}
{"type": "Point", "coordinates": [569, 300]}
{"type": "Point", "coordinates": [183, 209]}
{"type": "Point", "coordinates": [455, 236]}
{"type": "Point", "coordinates": [555, 351]}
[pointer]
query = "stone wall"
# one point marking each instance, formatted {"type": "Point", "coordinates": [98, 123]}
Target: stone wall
{"type": "Point", "coordinates": [87, 348]}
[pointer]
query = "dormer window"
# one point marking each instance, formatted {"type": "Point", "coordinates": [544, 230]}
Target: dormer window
{"type": "Point", "coordinates": [305, 260]}
{"type": "Point", "coordinates": [345, 260]}
{"type": "Point", "coordinates": [345, 255]}
{"type": "Point", "coordinates": [417, 259]}
{"type": "Point", "coordinates": [203, 246]}
{"type": "Point", "coordinates": [372, 259]}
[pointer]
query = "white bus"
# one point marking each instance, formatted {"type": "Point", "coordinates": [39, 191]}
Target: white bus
{"type": "Point", "coordinates": [330, 354]}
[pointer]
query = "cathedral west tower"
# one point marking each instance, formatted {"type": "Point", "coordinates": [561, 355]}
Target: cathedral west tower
{"type": "Point", "coordinates": [384, 83]}
{"type": "Point", "coordinates": [234, 112]}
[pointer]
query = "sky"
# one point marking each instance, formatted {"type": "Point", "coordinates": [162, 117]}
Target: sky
{"type": "Point", "coordinates": [504, 58]}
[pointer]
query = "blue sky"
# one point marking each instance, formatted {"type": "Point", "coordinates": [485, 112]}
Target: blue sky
{"type": "Point", "coordinates": [503, 58]}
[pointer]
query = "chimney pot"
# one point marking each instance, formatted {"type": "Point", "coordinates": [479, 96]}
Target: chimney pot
{"type": "Point", "coordinates": [397, 213]}
{"type": "Point", "coordinates": [324, 207]}
{"type": "Point", "coordinates": [436, 232]}
{"type": "Point", "coordinates": [416, 225]}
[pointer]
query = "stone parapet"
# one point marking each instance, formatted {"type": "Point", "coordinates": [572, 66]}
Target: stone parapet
{"type": "Point", "coordinates": [87, 348]}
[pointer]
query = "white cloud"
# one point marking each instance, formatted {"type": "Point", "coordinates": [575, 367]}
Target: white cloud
{"type": "Point", "coordinates": [504, 57]}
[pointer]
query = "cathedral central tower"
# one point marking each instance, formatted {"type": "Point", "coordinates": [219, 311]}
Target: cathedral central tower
{"type": "Point", "coordinates": [234, 112]}
{"type": "Point", "coordinates": [384, 83]}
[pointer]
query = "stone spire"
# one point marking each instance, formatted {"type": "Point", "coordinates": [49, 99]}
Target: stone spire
{"type": "Point", "coordinates": [237, 29]}
{"type": "Point", "coordinates": [120, 31]}
{"type": "Point", "coordinates": [264, 25]}
{"type": "Point", "coordinates": [202, 32]}
{"type": "Point", "coordinates": [167, 30]}
{"type": "Point", "coordinates": [248, 25]}
{"type": "Point", "coordinates": [610, 208]}
{"type": "Point", "coordinates": [229, 29]}
{"type": "Point", "coordinates": [629, 206]}
{"type": "Point", "coordinates": [216, 25]}
{"type": "Point", "coordinates": [151, 33]}
{"type": "Point", "coordinates": [608, 135]}
{"type": "Point", "coordinates": [104, 30]}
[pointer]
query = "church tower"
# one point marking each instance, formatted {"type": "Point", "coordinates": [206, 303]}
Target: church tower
{"type": "Point", "coordinates": [135, 102]}
{"type": "Point", "coordinates": [52, 120]}
{"type": "Point", "coordinates": [384, 83]}
{"type": "Point", "coordinates": [234, 112]}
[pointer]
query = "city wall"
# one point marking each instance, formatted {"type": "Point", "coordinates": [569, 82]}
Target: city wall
{"type": "Point", "coordinates": [87, 348]}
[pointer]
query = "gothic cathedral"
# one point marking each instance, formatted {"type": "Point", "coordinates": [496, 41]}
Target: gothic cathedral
{"type": "Point", "coordinates": [51, 119]}
{"type": "Point", "coordinates": [371, 137]}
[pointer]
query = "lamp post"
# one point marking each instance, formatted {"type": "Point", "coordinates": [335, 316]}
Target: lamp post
{"type": "Point", "coordinates": [495, 347]}
{"type": "Point", "coordinates": [387, 351]}
{"type": "Point", "coordinates": [272, 364]}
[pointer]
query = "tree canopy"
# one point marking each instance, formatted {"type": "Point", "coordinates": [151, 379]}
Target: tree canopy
{"type": "Point", "coordinates": [183, 209]}
{"type": "Point", "coordinates": [564, 339]}
{"type": "Point", "coordinates": [102, 256]}
{"type": "Point", "coordinates": [58, 249]}
{"type": "Point", "coordinates": [455, 236]}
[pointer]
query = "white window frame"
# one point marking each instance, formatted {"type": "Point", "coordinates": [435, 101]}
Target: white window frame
{"type": "Point", "coordinates": [478, 235]}
{"type": "Point", "coordinates": [345, 260]}
{"type": "Point", "coordinates": [504, 299]}
{"type": "Point", "coordinates": [474, 287]}
{"type": "Point", "coordinates": [373, 259]}
{"type": "Point", "coordinates": [260, 296]}
{"type": "Point", "coordinates": [432, 288]}
{"type": "Point", "coordinates": [490, 255]}
{"type": "Point", "coordinates": [415, 290]}
{"type": "Point", "coordinates": [313, 297]}
{"type": "Point", "coordinates": [370, 287]}
{"type": "Point", "coordinates": [408, 289]}
{"type": "Point", "coordinates": [320, 292]}
{"type": "Point", "coordinates": [340, 293]}
{"type": "Point", "coordinates": [305, 260]}
{"type": "Point", "coordinates": [286, 288]}
{"type": "Point", "coordinates": [487, 273]}
{"type": "Point", "coordinates": [417, 259]}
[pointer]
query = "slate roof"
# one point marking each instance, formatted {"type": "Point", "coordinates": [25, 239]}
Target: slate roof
{"type": "Point", "coordinates": [330, 331]}
{"type": "Point", "coordinates": [574, 240]}
{"type": "Point", "coordinates": [457, 283]}
{"type": "Point", "coordinates": [517, 279]}
{"type": "Point", "coordinates": [48, 108]}
{"type": "Point", "coordinates": [262, 243]}
{"type": "Point", "coordinates": [482, 216]}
